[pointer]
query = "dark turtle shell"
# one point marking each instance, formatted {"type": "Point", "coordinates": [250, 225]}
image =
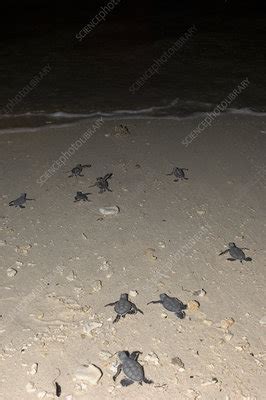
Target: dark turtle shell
{"type": "Point", "coordinates": [173, 304]}
{"type": "Point", "coordinates": [123, 306]}
{"type": "Point", "coordinates": [237, 253]}
{"type": "Point", "coordinates": [133, 370]}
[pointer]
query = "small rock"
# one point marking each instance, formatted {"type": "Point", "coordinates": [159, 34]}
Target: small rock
{"type": "Point", "coordinates": [114, 210]}
{"type": "Point", "coordinates": [227, 323]}
{"type": "Point", "coordinates": [152, 358]}
{"type": "Point", "coordinates": [200, 293]}
{"type": "Point", "coordinates": [263, 320]}
{"type": "Point", "coordinates": [150, 253]}
{"type": "Point", "coordinates": [162, 245]}
{"type": "Point", "coordinates": [212, 382]}
{"type": "Point", "coordinates": [3, 243]}
{"type": "Point", "coordinates": [133, 293]}
{"type": "Point", "coordinates": [69, 397]}
{"type": "Point", "coordinates": [177, 361]}
{"type": "Point", "coordinates": [34, 369]}
{"type": "Point", "coordinates": [91, 326]}
{"type": "Point", "coordinates": [84, 236]}
{"type": "Point", "coordinates": [193, 305]}
{"type": "Point", "coordinates": [23, 249]}
{"type": "Point", "coordinates": [105, 355]}
{"type": "Point", "coordinates": [228, 337]}
{"type": "Point", "coordinates": [96, 286]}
{"type": "Point", "coordinates": [11, 272]}
{"type": "Point", "coordinates": [201, 212]}
{"type": "Point", "coordinates": [41, 394]}
{"type": "Point", "coordinates": [208, 322]}
{"type": "Point", "coordinates": [30, 387]}
{"type": "Point", "coordinates": [88, 373]}
{"type": "Point", "coordinates": [72, 276]}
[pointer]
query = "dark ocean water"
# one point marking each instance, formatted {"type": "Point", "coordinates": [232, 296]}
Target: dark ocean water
{"type": "Point", "coordinates": [95, 75]}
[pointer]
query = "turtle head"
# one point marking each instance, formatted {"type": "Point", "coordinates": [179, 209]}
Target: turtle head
{"type": "Point", "coordinates": [231, 244]}
{"type": "Point", "coordinates": [79, 165]}
{"type": "Point", "coordinates": [123, 355]}
{"type": "Point", "coordinates": [23, 194]}
{"type": "Point", "coordinates": [79, 193]}
{"type": "Point", "coordinates": [124, 296]}
{"type": "Point", "coordinates": [163, 296]}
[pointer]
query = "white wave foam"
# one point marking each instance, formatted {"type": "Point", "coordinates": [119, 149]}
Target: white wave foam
{"type": "Point", "coordinates": [173, 110]}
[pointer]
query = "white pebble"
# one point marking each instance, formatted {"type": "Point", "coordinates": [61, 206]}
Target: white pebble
{"type": "Point", "coordinates": [96, 286]}
{"type": "Point", "coordinates": [90, 326]}
{"type": "Point", "coordinates": [88, 373]}
{"type": "Point", "coordinates": [114, 210]}
{"type": "Point", "coordinates": [30, 387]}
{"type": "Point", "coordinates": [105, 355]}
{"type": "Point", "coordinates": [42, 394]}
{"type": "Point", "coordinates": [11, 272]}
{"type": "Point", "coordinates": [72, 276]}
{"type": "Point", "coordinates": [152, 358]}
{"type": "Point", "coordinates": [133, 293]}
{"type": "Point", "coordinates": [263, 320]}
{"type": "Point", "coordinates": [34, 369]}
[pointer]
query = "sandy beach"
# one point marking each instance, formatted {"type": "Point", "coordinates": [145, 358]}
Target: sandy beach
{"type": "Point", "coordinates": [62, 262]}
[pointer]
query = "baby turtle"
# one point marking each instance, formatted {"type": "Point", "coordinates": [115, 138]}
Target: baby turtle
{"type": "Point", "coordinates": [102, 183]}
{"type": "Point", "coordinates": [20, 201]}
{"type": "Point", "coordinates": [171, 304]}
{"type": "Point", "coordinates": [123, 307]}
{"type": "Point", "coordinates": [81, 196]}
{"type": "Point", "coordinates": [132, 369]}
{"type": "Point", "coordinates": [76, 171]}
{"type": "Point", "coordinates": [178, 173]}
{"type": "Point", "coordinates": [236, 253]}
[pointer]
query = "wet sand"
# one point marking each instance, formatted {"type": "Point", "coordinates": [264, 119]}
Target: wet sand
{"type": "Point", "coordinates": [67, 260]}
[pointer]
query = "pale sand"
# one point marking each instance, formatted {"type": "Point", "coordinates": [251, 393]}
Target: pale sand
{"type": "Point", "coordinates": [223, 201]}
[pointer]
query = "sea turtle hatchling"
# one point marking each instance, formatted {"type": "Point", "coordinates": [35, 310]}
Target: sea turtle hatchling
{"type": "Point", "coordinates": [123, 307]}
{"type": "Point", "coordinates": [132, 369]}
{"type": "Point", "coordinates": [179, 173]}
{"type": "Point", "coordinates": [171, 304]}
{"type": "Point", "coordinates": [102, 183]}
{"type": "Point", "coordinates": [81, 196]}
{"type": "Point", "coordinates": [76, 171]}
{"type": "Point", "coordinates": [20, 201]}
{"type": "Point", "coordinates": [236, 253]}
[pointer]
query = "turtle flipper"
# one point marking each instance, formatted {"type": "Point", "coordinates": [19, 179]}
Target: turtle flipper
{"type": "Point", "coordinates": [180, 314]}
{"type": "Point", "coordinates": [117, 318]}
{"type": "Point", "coordinates": [119, 369]}
{"type": "Point", "coordinates": [223, 252]}
{"type": "Point", "coordinates": [231, 259]}
{"type": "Point", "coordinates": [134, 355]}
{"type": "Point", "coordinates": [126, 382]}
{"type": "Point", "coordinates": [248, 259]}
{"type": "Point", "coordinates": [148, 381]}
{"type": "Point", "coordinates": [140, 311]}
{"type": "Point", "coordinates": [132, 311]}
{"type": "Point", "coordinates": [110, 304]}
{"type": "Point", "coordinates": [107, 176]}
{"type": "Point", "coordinates": [154, 302]}
{"type": "Point", "coordinates": [21, 206]}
